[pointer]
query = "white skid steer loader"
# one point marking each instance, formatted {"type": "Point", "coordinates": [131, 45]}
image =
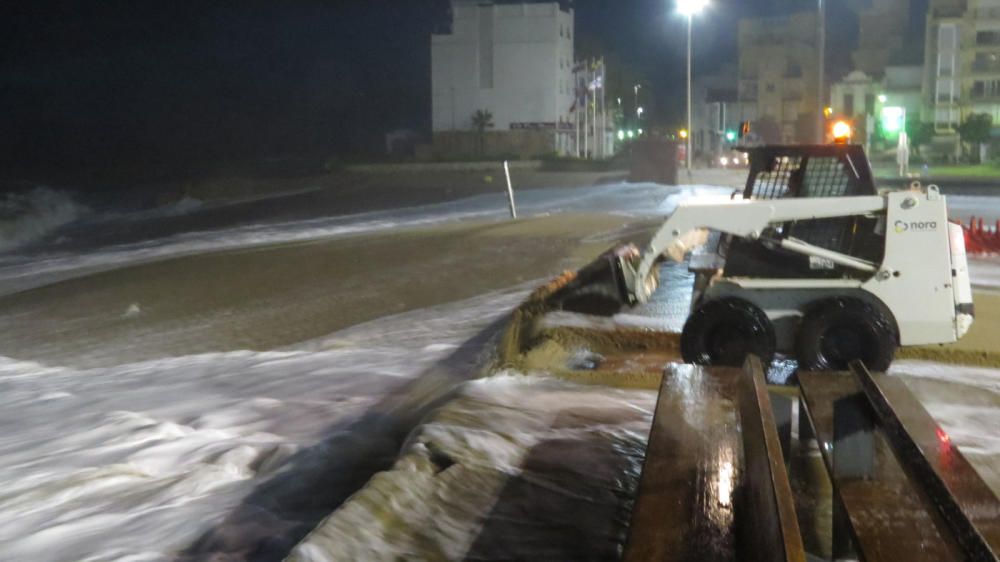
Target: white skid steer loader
{"type": "Point", "coordinates": [812, 262]}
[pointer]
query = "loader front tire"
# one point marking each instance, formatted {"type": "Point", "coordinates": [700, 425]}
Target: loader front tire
{"type": "Point", "coordinates": [724, 331]}
{"type": "Point", "coordinates": [837, 331]}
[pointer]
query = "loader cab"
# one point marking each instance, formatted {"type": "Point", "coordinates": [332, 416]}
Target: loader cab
{"type": "Point", "coordinates": [806, 172]}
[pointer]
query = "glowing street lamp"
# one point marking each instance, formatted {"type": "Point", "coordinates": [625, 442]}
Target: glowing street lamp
{"type": "Point", "coordinates": [690, 8]}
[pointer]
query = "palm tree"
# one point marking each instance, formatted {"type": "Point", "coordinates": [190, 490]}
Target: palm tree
{"type": "Point", "coordinates": [482, 119]}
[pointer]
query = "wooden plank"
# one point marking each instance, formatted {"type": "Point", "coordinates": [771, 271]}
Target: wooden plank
{"type": "Point", "coordinates": [969, 506]}
{"type": "Point", "coordinates": [769, 529]}
{"type": "Point", "coordinates": [684, 509]}
{"type": "Point", "coordinates": [890, 518]}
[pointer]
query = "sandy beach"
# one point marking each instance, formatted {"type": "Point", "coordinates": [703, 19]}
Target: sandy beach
{"type": "Point", "coordinates": [271, 297]}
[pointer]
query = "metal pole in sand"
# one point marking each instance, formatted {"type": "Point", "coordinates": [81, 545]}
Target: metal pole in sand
{"type": "Point", "coordinates": [510, 190]}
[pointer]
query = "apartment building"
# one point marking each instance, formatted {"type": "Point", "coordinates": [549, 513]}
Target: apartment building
{"type": "Point", "coordinates": [883, 26]}
{"type": "Point", "coordinates": [778, 75]}
{"type": "Point", "coordinates": [514, 60]}
{"type": "Point", "coordinates": [962, 74]}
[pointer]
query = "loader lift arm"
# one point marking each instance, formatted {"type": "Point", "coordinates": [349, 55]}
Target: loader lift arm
{"type": "Point", "coordinates": [745, 218]}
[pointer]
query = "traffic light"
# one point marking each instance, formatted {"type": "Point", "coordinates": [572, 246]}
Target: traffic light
{"type": "Point", "coordinates": [730, 135]}
{"type": "Point", "coordinates": [744, 129]}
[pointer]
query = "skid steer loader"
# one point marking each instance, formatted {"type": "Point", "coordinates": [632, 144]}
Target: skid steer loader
{"type": "Point", "coordinates": [811, 262]}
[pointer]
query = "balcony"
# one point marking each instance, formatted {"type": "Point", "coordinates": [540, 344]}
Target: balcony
{"type": "Point", "coordinates": [988, 14]}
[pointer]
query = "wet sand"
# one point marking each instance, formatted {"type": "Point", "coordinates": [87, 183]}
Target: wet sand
{"type": "Point", "coordinates": [271, 297]}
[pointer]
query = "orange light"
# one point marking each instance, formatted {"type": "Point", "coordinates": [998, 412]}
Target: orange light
{"type": "Point", "coordinates": [683, 133]}
{"type": "Point", "coordinates": [841, 131]}
{"type": "Point", "coordinates": [943, 437]}
{"type": "Point", "coordinates": [827, 111]}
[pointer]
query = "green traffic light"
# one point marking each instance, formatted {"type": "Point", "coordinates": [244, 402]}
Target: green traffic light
{"type": "Point", "coordinates": [730, 136]}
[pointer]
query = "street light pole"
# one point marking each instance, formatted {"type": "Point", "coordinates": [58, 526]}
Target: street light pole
{"type": "Point", "coordinates": [690, 8]}
{"type": "Point", "coordinates": [690, 131]}
{"type": "Point", "coordinates": [821, 68]}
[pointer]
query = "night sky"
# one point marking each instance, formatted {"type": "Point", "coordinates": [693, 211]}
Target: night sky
{"type": "Point", "coordinates": [91, 90]}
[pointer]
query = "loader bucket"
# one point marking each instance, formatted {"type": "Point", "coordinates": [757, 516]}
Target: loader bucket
{"type": "Point", "coordinates": [598, 288]}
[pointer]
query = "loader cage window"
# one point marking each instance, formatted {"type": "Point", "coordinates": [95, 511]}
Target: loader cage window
{"type": "Point", "coordinates": [808, 172]}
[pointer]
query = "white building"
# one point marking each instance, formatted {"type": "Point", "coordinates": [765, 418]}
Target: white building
{"type": "Point", "coordinates": [862, 98]}
{"type": "Point", "coordinates": [514, 60]}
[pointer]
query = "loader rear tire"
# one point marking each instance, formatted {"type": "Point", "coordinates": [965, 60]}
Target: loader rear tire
{"type": "Point", "coordinates": [837, 331]}
{"type": "Point", "coordinates": [724, 331]}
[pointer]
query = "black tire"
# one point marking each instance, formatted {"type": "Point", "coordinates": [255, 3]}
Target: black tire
{"type": "Point", "coordinates": [724, 331]}
{"type": "Point", "coordinates": [837, 331]}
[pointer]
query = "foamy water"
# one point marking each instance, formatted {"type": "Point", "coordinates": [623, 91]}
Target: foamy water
{"type": "Point", "coordinates": [33, 214]}
{"type": "Point", "coordinates": [643, 199]}
{"type": "Point", "coordinates": [137, 461]}
{"type": "Point", "coordinates": [966, 402]}
{"type": "Point", "coordinates": [451, 493]}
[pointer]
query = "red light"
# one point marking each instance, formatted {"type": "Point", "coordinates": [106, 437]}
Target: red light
{"type": "Point", "coordinates": [943, 437]}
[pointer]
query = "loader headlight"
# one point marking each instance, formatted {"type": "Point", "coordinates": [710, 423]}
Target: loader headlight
{"type": "Point", "coordinates": [724, 161]}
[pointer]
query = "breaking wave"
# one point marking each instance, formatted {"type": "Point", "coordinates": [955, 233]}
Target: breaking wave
{"type": "Point", "coordinates": [31, 215]}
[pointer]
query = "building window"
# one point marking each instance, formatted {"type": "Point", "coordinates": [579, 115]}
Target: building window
{"type": "Point", "coordinates": [986, 89]}
{"type": "Point", "coordinates": [869, 104]}
{"type": "Point", "coordinates": [986, 62]}
{"type": "Point", "coordinates": [988, 38]}
{"type": "Point", "coordinates": [770, 87]}
{"type": "Point", "coordinates": [794, 70]}
{"type": "Point", "coordinates": [849, 105]}
{"type": "Point", "coordinates": [486, 49]}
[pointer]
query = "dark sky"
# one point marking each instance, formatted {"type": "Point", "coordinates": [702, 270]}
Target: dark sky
{"type": "Point", "coordinates": [163, 87]}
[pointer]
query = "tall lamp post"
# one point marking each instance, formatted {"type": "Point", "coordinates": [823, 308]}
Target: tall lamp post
{"type": "Point", "coordinates": [689, 8]}
{"type": "Point", "coordinates": [821, 72]}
